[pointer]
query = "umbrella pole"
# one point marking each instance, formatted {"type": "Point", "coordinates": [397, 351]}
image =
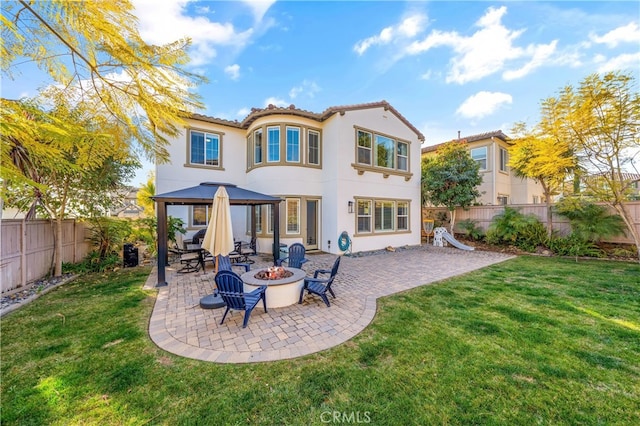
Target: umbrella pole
{"type": "Point", "coordinates": [215, 269]}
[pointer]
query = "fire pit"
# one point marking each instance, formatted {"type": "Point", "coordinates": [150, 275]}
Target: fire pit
{"type": "Point", "coordinates": [283, 285]}
{"type": "Point", "coordinates": [273, 273]}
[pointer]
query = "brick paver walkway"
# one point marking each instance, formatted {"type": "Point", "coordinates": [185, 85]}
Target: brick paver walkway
{"type": "Point", "coordinates": [178, 324]}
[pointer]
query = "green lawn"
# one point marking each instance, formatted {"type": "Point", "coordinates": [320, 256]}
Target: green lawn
{"type": "Point", "coordinates": [528, 341]}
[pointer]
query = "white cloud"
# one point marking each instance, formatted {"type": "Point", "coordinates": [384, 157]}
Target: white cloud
{"type": "Point", "coordinates": [275, 101]}
{"type": "Point", "coordinates": [308, 88]}
{"type": "Point", "coordinates": [407, 28]}
{"type": "Point", "coordinates": [162, 22]}
{"type": "Point", "coordinates": [243, 112]}
{"type": "Point", "coordinates": [486, 51]}
{"type": "Point", "coordinates": [259, 8]}
{"type": "Point", "coordinates": [621, 62]}
{"type": "Point", "coordinates": [233, 71]}
{"type": "Point", "coordinates": [628, 34]}
{"type": "Point", "coordinates": [483, 104]}
{"type": "Point", "coordinates": [540, 55]}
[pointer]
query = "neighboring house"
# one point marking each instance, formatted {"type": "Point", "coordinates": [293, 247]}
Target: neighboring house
{"type": "Point", "coordinates": [499, 185]}
{"type": "Point", "coordinates": [352, 168]}
{"type": "Point", "coordinates": [126, 204]}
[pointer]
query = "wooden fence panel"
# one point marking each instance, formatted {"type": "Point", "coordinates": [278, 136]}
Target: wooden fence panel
{"type": "Point", "coordinates": [27, 247]}
{"type": "Point", "coordinates": [483, 216]}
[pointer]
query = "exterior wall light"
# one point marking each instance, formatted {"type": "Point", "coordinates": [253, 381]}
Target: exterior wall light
{"type": "Point", "coordinates": [350, 206]}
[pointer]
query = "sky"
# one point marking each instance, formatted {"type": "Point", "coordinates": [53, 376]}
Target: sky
{"type": "Point", "coordinates": [447, 66]}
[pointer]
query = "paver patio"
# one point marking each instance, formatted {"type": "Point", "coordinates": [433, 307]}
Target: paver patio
{"type": "Point", "coordinates": [178, 324]}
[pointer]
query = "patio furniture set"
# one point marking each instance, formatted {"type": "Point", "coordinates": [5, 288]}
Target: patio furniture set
{"type": "Point", "coordinates": [275, 286]}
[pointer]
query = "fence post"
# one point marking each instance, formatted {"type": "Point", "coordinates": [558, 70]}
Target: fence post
{"type": "Point", "coordinates": [23, 253]}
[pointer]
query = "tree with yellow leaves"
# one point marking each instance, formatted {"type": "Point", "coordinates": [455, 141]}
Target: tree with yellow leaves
{"type": "Point", "coordinates": [93, 51]}
{"type": "Point", "coordinates": [543, 158]}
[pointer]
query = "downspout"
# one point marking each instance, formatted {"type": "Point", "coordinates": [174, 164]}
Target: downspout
{"type": "Point", "coordinates": [493, 170]}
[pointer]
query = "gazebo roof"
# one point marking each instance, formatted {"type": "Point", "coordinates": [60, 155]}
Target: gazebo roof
{"type": "Point", "coordinates": [203, 194]}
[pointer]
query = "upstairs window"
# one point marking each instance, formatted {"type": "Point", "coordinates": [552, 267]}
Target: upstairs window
{"type": "Point", "coordinates": [382, 153]}
{"type": "Point", "coordinates": [480, 156]}
{"type": "Point", "coordinates": [257, 146]}
{"type": "Point", "coordinates": [313, 147]}
{"type": "Point", "coordinates": [204, 148]}
{"type": "Point", "coordinates": [385, 152]}
{"type": "Point", "coordinates": [403, 156]}
{"type": "Point", "coordinates": [293, 144]}
{"type": "Point", "coordinates": [504, 159]}
{"type": "Point", "coordinates": [273, 144]}
{"type": "Point", "coordinates": [364, 147]}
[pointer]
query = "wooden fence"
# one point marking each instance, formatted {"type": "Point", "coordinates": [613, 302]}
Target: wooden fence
{"type": "Point", "coordinates": [26, 249]}
{"type": "Point", "coordinates": [483, 215]}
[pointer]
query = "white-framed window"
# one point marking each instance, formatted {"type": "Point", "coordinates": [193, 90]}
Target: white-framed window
{"type": "Point", "coordinates": [364, 147]}
{"type": "Point", "coordinates": [273, 144]}
{"type": "Point", "coordinates": [480, 156]}
{"type": "Point", "coordinates": [384, 151]}
{"type": "Point", "coordinates": [199, 215]}
{"type": "Point", "coordinates": [381, 152]}
{"type": "Point", "coordinates": [313, 147]}
{"type": "Point", "coordinates": [403, 156]}
{"type": "Point", "coordinates": [504, 159]}
{"type": "Point", "coordinates": [364, 216]}
{"type": "Point", "coordinates": [536, 199]}
{"type": "Point", "coordinates": [402, 216]}
{"type": "Point", "coordinates": [383, 216]}
{"type": "Point", "coordinates": [293, 144]}
{"type": "Point", "coordinates": [269, 218]}
{"type": "Point", "coordinates": [257, 146]}
{"type": "Point", "coordinates": [293, 215]}
{"type": "Point", "coordinates": [204, 148]}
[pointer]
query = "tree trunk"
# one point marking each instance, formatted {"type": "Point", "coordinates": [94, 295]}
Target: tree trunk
{"type": "Point", "coordinates": [58, 248]}
{"type": "Point", "coordinates": [452, 221]}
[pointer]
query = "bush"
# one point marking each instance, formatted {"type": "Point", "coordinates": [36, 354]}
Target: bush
{"type": "Point", "coordinates": [93, 263]}
{"type": "Point", "coordinates": [590, 222]}
{"type": "Point", "coordinates": [512, 227]}
{"type": "Point", "coordinates": [470, 229]}
{"type": "Point", "coordinates": [573, 245]}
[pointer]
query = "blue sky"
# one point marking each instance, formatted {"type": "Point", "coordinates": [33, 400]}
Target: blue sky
{"type": "Point", "coordinates": [447, 66]}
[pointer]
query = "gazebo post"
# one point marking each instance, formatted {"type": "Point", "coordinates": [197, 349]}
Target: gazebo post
{"type": "Point", "coordinates": [162, 243]}
{"type": "Point", "coordinates": [276, 232]}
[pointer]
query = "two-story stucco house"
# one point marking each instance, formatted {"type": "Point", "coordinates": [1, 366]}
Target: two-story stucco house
{"type": "Point", "coordinates": [499, 185]}
{"type": "Point", "coordinates": [352, 168]}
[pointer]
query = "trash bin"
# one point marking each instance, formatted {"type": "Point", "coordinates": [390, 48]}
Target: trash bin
{"type": "Point", "coordinates": [284, 251]}
{"type": "Point", "coordinates": [130, 255]}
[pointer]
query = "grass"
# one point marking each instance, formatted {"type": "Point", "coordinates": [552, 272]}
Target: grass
{"type": "Point", "coordinates": [528, 341]}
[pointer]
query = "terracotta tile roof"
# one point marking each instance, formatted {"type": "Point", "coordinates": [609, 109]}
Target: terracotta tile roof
{"type": "Point", "coordinates": [292, 110]}
{"type": "Point", "coordinates": [471, 138]}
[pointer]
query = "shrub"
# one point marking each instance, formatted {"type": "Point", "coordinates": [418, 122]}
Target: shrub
{"type": "Point", "coordinates": [512, 227]}
{"type": "Point", "coordinates": [573, 245]}
{"type": "Point", "coordinates": [590, 222]}
{"type": "Point", "coordinates": [470, 229]}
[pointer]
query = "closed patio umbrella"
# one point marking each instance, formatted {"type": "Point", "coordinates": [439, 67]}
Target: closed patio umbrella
{"type": "Point", "coordinates": [218, 240]}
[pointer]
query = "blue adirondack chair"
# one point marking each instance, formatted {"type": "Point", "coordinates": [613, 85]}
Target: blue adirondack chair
{"type": "Point", "coordinates": [321, 286]}
{"type": "Point", "coordinates": [231, 289]}
{"type": "Point", "coordinates": [296, 256]}
{"type": "Point", "coordinates": [224, 264]}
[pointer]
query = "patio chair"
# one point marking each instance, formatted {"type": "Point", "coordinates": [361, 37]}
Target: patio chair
{"type": "Point", "coordinates": [224, 264]}
{"type": "Point", "coordinates": [213, 300]}
{"type": "Point", "coordinates": [296, 256]}
{"type": "Point", "coordinates": [321, 286]}
{"type": "Point", "coordinates": [231, 289]}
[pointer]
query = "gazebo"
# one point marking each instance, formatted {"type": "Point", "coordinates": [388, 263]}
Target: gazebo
{"type": "Point", "coordinates": [203, 195]}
